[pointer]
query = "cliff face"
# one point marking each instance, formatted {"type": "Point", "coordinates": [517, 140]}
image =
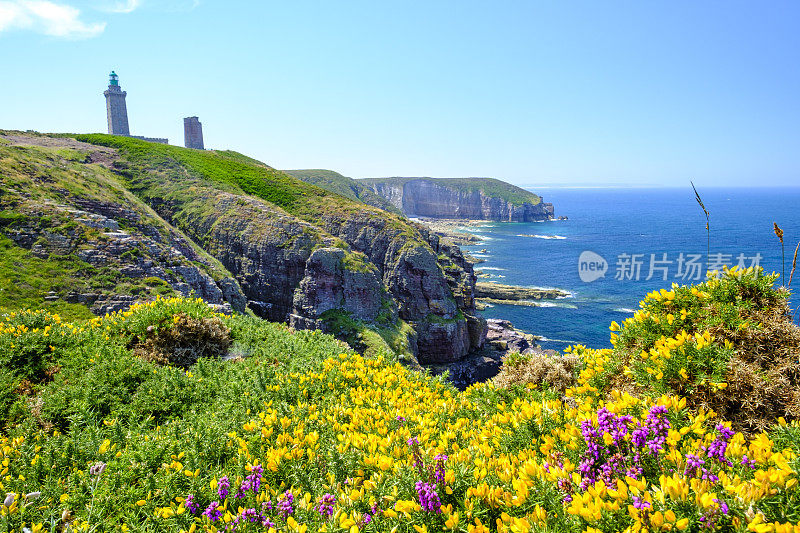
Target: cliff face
{"type": "Point", "coordinates": [427, 197]}
{"type": "Point", "coordinates": [314, 253]}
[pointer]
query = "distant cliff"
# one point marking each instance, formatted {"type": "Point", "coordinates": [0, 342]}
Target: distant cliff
{"type": "Point", "coordinates": [469, 198]}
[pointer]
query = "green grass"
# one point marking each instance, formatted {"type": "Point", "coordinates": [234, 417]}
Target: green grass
{"type": "Point", "coordinates": [155, 171]}
{"type": "Point", "coordinates": [231, 171]}
{"type": "Point", "coordinates": [25, 280]}
{"type": "Point", "coordinates": [34, 181]}
{"type": "Point", "coordinates": [488, 186]}
{"type": "Point", "coordinates": [344, 186]}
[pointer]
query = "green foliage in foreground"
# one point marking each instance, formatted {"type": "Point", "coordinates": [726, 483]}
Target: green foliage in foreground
{"type": "Point", "coordinates": [102, 440]}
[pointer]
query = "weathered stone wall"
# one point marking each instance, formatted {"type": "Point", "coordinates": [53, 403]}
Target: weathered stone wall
{"type": "Point", "coordinates": [159, 140]}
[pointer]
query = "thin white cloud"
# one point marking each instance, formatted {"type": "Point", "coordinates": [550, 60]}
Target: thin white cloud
{"type": "Point", "coordinates": [49, 18]}
{"type": "Point", "coordinates": [122, 6]}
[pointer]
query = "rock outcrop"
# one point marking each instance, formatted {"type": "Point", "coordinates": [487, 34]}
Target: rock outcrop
{"type": "Point", "coordinates": [497, 293]}
{"type": "Point", "coordinates": [442, 198]}
{"type": "Point", "coordinates": [334, 279]}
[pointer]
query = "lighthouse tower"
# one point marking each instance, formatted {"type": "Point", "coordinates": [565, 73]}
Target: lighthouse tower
{"type": "Point", "coordinates": [116, 109]}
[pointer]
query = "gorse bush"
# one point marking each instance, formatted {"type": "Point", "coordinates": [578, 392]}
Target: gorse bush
{"type": "Point", "coordinates": [298, 433]}
{"type": "Point", "coordinates": [184, 341]}
{"type": "Point", "coordinates": [728, 344]}
{"type": "Point", "coordinates": [553, 371]}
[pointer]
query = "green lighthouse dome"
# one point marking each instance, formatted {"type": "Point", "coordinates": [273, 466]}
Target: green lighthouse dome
{"type": "Point", "coordinates": [113, 79]}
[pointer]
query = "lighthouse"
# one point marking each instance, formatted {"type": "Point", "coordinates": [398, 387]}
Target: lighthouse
{"type": "Point", "coordinates": [116, 109]}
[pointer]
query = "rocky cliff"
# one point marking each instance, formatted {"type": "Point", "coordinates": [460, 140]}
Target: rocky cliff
{"type": "Point", "coordinates": [470, 198]}
{"type": "Point", "coordinates": [307, 256]}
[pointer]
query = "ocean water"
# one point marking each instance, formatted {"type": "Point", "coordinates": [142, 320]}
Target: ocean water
{"type": "Point", "coordinates": [626, 227]}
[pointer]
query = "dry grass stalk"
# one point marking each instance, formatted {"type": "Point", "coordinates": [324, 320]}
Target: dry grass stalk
{"type": "Point", "coordinates": [779, 233]}
{"type": "Point", "coordinates": [708, 222]}
{"type": "Point", "coordinates": [794, 265]}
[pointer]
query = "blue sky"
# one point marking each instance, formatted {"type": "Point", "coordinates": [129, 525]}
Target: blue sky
{"type": "Point", "coordinates": [569, 93]}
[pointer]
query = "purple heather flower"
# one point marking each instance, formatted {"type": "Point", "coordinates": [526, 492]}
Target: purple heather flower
{"type": "Point", "coordinates": [252, 481]}
{"type": "Point", "coordinates": [640, 503]}
{"type": "Point", "coordinates": [223, 487]}
{"type": "Point", "coordinates": [212, 512]}
{"type": "Point", "coordinates": [428, 497]}
{"type": "Point", "coordinates": [325, 505]}
{"type": "Point", "coordinates": [191, 506]}
{"type": "Point", "coordinates": [716, 450]}
{"type": "Point", "coordinates": [285, 507]}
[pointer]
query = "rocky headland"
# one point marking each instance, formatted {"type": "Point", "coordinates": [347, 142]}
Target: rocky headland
{"type": "Point", "coordinates": [468, 198]}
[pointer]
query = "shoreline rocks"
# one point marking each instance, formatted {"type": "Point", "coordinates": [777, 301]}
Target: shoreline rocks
{"type": "Point", "coordinates": [497, 293]}
{"type": "Point", "coordinates": [502, 338]}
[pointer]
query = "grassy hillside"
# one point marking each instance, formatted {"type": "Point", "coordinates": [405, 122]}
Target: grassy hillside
{"type": "Point", "coordinates": [488, 186]}
{"type": "Point", "coordinates": [347, 187]}
{"type": "Point", "coordinates": [48, 242]}
{"type": "Point", "coordinates": [106, 431]}
{"type": "Point", "coordinates": [233, 172]}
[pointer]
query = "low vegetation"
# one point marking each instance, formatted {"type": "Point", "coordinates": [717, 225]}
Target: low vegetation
{"type": "Point", "coordinates": [344, 186]}
{"type": "Point", "coordinates": [292, 431]}
{"type": "Point", "coordinates": [46, 233]}
{"type": "Point", "coordinates": [230, 171]}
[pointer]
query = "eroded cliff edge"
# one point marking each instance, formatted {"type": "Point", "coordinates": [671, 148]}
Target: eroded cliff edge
{"type": "Point", "coordinates": [468, 198]}
{"type": "Point", "coordinates": [307, 256]}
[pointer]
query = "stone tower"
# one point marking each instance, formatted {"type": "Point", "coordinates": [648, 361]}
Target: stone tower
{"type": "Point", "coordinates": [116, 109]}
{"type": "Point", "coordinates": [193, 133]}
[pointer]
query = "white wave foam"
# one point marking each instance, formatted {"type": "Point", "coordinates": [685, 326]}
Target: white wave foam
{"type": "Point", "coordinates": [624, 310]}
{"type": "Point", "coordinates": [535, 236]}
{"type": "Point", "coordinates": [488, 268]}
{"type": "Point", "coordinates": [557, 340]}
{"type": "Point", "coordinates": [553, 304]}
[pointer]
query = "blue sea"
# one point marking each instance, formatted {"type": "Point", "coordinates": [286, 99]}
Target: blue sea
{"type": "Point", "coordinates": [626, 228]}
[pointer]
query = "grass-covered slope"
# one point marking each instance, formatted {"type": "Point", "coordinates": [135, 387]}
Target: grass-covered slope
{"type": "Point", "coordinates": [72, 237]}
{"type": "Point", "coordinates": [487, 186]}
{"type": "Point", "coordinates": [232, 172]}
{"type": "Point", "coordinates": [295, 433]}
{"type": "Point", "coordinates": [347, 187]}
